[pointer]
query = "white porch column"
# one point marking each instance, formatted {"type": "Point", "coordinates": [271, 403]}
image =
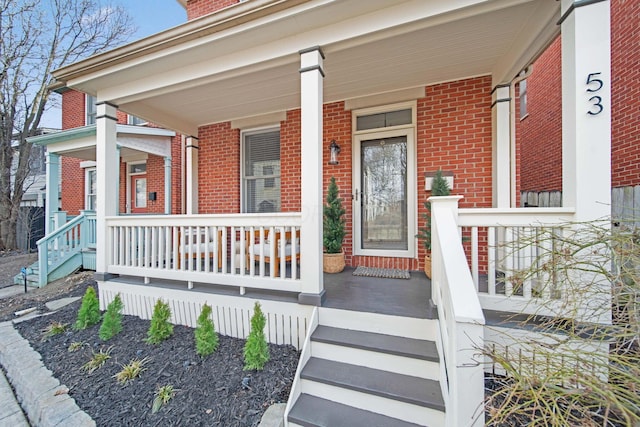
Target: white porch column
{"type": "Point", "coordinates": [192, 148]}
{"type": "Point", "coordinates": [311, 87]}
{"type": "Point", "coordinates": [167, 185]}
{"type": "Point", "coordinates": [52, 203]}
{"type": "Point", "coordinates": [501, 146]}
{"type": "Point", "coordinates": [107, 161]}
{"type": "Point", "coordinates": [586, 138]}
{"type": "Point", "coordinates": [586, 108]}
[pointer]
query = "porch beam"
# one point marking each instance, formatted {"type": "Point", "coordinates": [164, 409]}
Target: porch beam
{"type": "Point", "coordinates": [311, 99]}
{"type": "Point", "coordinates": [167, 185]}
{"type": "Point", "coordinates": [107, 161]}
{"type": "Point", "coordinates": [191, 152]}
{"type": "Point", "coordinates": [586, 108]}
{"type": "Point", "coordinates": [501, 146]}
{"type": "Point", "coordinates": [52, 191]}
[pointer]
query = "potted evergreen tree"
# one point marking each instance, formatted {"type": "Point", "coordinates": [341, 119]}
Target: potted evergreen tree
{"type": "Point", "coordinates": [333, 231]}
{"type": "Point", "coordinates": [439, 187]}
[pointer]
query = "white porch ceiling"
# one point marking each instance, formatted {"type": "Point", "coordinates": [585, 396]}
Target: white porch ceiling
{"type": "Point", "coordinates": [371, 47]}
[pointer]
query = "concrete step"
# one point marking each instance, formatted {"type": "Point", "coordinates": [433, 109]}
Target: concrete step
{"type": "Point", "coordinates": [311, 411]}
{"type": "Point", "coordinates": [400, 355]}
{"type": "Point", "coordinates": [405, 397]}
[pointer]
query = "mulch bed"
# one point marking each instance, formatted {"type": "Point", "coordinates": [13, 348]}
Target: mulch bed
{"type": "Point", "coordinates": [210, 391]}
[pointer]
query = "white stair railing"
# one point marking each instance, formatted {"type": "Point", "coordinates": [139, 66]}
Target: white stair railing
{"type": "Point", "coordinates": [460, 318]}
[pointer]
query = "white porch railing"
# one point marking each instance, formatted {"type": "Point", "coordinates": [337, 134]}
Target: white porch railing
{"type": "Point", "coordinates": [460, 316]}
{"type": "Point", "coordinates": [503, 242]}
{"type": "Point", "coordinates": [245, 250]}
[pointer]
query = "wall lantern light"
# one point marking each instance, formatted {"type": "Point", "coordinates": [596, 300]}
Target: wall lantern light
{"type": "Point", "coordinates": [334, 150]}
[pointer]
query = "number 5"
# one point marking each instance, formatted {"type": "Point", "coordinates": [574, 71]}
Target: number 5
{"type": "Point", "coordinates": [592, 79]}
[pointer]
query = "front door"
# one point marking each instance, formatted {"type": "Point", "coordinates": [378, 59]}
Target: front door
{"type": "Point", "coordinates": [383, 197]}
{"type": "Point", "coordinates": [138, 193]}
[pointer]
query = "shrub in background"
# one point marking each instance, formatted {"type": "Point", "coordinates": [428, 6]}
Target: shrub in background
{"type": "Point", "coordinates": [205, 333]}
{"type": "Point", "coordinates": [89, 313]}
{"type": "Point", "coordinates": [256, 349]}
{"type": "Point", "coordinates": [112, 320]}
{"type": "Point", "coordinates": [160, 328]}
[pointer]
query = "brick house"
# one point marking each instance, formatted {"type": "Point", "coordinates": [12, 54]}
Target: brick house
{"type": "Point", "coordinates": [540, 126]}
{"type": "Point", "coordinates": [256, 94]}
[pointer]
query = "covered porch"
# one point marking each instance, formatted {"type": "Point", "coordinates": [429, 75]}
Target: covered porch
{"type": "Point", "coordinates": [434, 80]}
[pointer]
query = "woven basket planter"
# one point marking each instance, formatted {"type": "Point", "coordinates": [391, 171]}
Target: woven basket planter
{"type": "Point", "coordinates": [333, 263]}
{"type": "Point", "coordinates": [427, 265]}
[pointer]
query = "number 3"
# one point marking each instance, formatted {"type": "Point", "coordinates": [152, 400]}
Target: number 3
{"type": "Point", "coordinates": [596, 103]}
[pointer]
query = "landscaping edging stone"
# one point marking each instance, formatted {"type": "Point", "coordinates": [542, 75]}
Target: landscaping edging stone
{"type": "Point", "coordinates": [44, 400]}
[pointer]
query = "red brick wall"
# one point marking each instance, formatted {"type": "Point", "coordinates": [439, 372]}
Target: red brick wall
{"type": "Point", "coordinates": [454, 133]}
{"type": "Point", "coordinates": [219, 169]}
{"type": "Point", "coordinates": [290, 163]}
{"type": "Point", "coordinates": [625, 93]}
{"type": "Point", "coordinates": [198, 8]}
{"type": "Point", "coordinates": [73, 109]}
{"type": "Point", "coordinates": [72, 194]}
{"type": "Point", "coordinates": [73, 176]}
{"type": "Point", "coordinates": [540, 133]}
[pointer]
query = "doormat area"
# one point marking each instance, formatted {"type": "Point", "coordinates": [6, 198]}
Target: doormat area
{"type": "Point", "coordinates": [384, 273]}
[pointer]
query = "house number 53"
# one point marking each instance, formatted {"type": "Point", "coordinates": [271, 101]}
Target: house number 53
{"type": "Point", "coordinates": [594, 84]}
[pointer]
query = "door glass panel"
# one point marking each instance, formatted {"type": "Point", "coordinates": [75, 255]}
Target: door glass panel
{"type": "Point", "coordinates": [384, 193]}
{"type": "Point", "coordinates": [141, 192]}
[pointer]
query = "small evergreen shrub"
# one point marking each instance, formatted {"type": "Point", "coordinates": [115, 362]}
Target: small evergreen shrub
{"type": "Point", "coordinates": [160, 328]}
{"type": "Point", "coordinates": [89, 313]}
{"type": "Point", "coordinates": [112, 320]}
{"type": "Point", "coordinates": [205, 333]}
{"type": "Point", "coordinates": [333, 225]}
{"type": "Point", "coordinates": [256, 349]}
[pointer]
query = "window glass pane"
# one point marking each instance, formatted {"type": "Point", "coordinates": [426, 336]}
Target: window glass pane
{"type": "Point", "coordinates": [92, 189]}
{"type": "Point", "coordinates": [141, 193]}
{"type": "Point", "coordinates": [91, 109]}
{"type": "Point", "coordinates": [523, 98]}
{"type": "Point", "coordinates": [138, 168]}
{"type": "Point", "coordinates": [381, 120]}
{"type": "Point", "coordinates": [133, 120]}
{"type": "Point", "coordinates": [384, 194]}
{"type": "Point", "coordinates": [261, 180]}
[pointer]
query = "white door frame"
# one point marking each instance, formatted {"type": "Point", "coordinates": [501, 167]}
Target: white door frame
{"type": "Point", "coordinates": [409, 132]}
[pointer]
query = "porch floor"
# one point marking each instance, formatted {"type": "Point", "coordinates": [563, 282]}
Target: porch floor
{"type": "Point", "coordinates": [396, 297]}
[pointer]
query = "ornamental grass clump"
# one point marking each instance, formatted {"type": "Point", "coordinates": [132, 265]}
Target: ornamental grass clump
{"type": "Point", "coordinates": [582, 368]}
{"type": "Point", "coordinates": [205, 333]}
{"type": "Point", "coordinates": [160, 328]}
{"type": "Point", "coordinates": [112, 320]}
{"type": "Point", "coordinates": [163, 395]}
{"type": "Point", "coordinates": [256, 349]}
{"type": "Point", "coordinates": [89, 313]}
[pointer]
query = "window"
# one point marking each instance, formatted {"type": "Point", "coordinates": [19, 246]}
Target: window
{"type": "Point", "coordinates": [135, 121]}
{"type": "Point", "coordinates": [137, 167]}
{"type": "Point", "coordinates": [384, 120]}
{"type": "Point", "coordinates": [91, 188]}
{"type": "Point", "coordinates": [523, 99]}
{"type": "Point", "coordinates": [261, 171]}
{"type": "Point", "coordinates": [91, 110]}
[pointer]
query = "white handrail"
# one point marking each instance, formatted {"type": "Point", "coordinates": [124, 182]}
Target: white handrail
{"type": "Point", "coordinates": [460, 317]}
{"type": "Point", "coordinates": [305, 355]}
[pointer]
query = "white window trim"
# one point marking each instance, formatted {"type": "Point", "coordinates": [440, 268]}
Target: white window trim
{"type": "Point", "coordinates": [87, 187]}
{"type": "Point", "coordinates": [130, 118]}
{"type": "Point", "coordinates": [243, 132]}
{"type": "Point", "coordinates": [410, 130]}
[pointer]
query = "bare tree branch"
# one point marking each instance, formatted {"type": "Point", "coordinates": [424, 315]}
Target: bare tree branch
{"type": "Point", "coordinates": [37, 38]}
